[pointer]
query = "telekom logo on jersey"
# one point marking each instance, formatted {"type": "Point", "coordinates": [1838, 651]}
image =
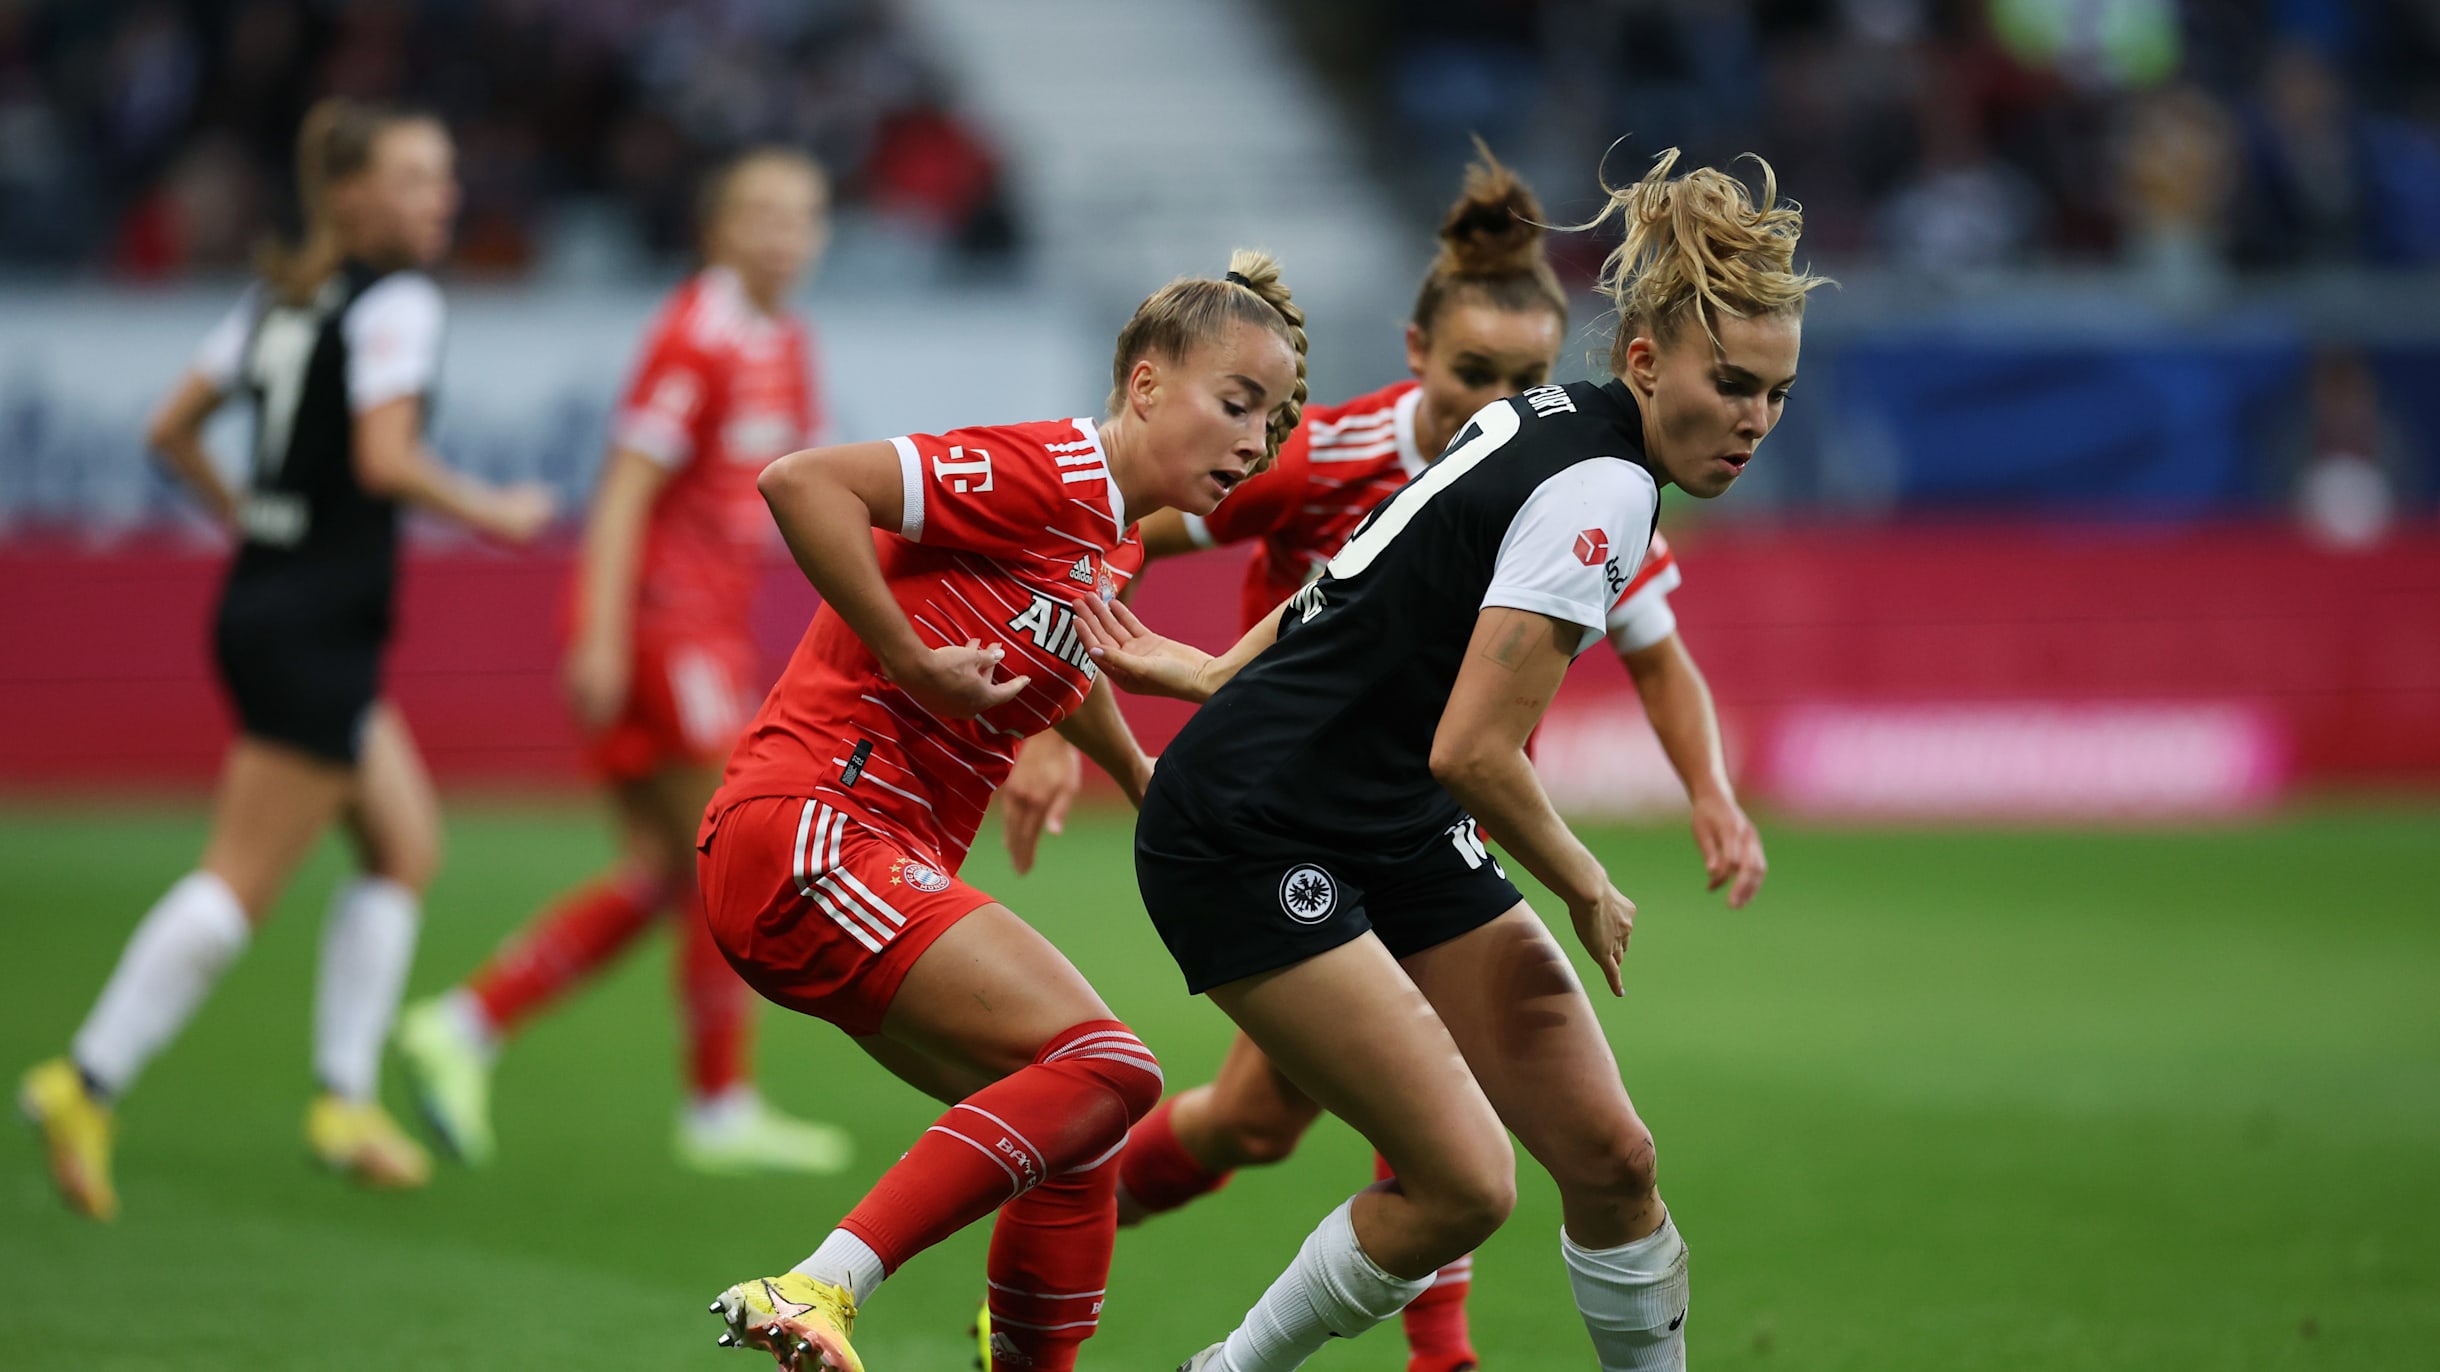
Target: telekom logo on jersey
{"type": "Point", "coordinates": [959, 471]}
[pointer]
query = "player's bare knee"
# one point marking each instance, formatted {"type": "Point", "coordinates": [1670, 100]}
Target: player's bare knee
{"type": "Point", "coordinates": [1622, 1165]}
{"type": "Point", "coordinates": [1468, 1202]}
{"type": "Point", "coordinates": [1473, 1211]}
{"type": "Point", "coordinates": [1262, 1140]}
{"type": "Point", "coordinates": [410, 859]}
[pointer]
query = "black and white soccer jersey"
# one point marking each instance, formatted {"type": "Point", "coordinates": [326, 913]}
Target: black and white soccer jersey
{"type": "Point", "coordinates": [1315, 759]}
{"type": "Point", "coordinates": [306, 610]}
{"type": "Point", "coordinates": [1541, 503]}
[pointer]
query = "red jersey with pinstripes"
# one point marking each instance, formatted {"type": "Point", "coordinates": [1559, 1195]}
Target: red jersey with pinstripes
{"type": "Point", "coordinates": [1341, 461]}
{"type": "Point", "coordinates": [721, 390]}
{"type": "Point", "coordinates": [1003, 526]}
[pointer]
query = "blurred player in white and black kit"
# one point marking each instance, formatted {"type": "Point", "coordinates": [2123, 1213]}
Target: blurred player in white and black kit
{"type": "Point", "coordinates": [1309, 848]}
{"type": "Point", "coordinates": [336, 348]}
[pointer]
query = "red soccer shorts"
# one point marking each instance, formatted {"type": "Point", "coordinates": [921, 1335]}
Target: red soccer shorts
{"type": "Point", "coordinates": [687, 700]}
{"type": "Point", "coordinates": [819, 913]}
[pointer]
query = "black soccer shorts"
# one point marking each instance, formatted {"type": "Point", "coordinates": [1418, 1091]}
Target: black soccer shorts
{"type": "Point", "coordinates": [1232, 904]}
{"type": "Point", "coordinates": [298, 678]}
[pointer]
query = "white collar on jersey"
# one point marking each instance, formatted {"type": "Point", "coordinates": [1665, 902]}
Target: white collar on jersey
{"type": "Point", "coordinates": [1109, 479]}
{"type": "Point", "coordinates": [1402, 422]}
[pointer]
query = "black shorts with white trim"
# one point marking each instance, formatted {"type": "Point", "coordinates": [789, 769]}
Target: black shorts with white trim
{"type": "Point", "coordinates": [1231, 904]}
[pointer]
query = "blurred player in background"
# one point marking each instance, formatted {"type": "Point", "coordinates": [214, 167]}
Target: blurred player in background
{"type": "Point", "coordinates": [1488, 324]}
{"type": "Point", "coordinates": [830, 856]}
{"type": "Point", "coordinates": [336, 349]}
{"type": "Point", "coordinates": [1309, 848]}
{"type": "Point", "coordinates": [662, 671]}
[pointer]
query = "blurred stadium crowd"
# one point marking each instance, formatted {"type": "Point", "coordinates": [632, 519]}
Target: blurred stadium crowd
{"type": "Point", "coordinates": [151, 138]}
{"type": "Point", "coordinates": [1958, 136]}
{"type": "Point", "coordinates": [148, 138]}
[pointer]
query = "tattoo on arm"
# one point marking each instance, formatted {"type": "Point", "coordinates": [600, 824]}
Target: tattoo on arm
{"type": "Point", "coordinates": [1508, 651]}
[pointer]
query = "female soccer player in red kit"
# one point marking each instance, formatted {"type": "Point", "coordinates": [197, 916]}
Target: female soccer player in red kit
{"type": "Point", "coordinates": [829, 856]}
{"type": "Point", "coordinates": [1488, 323]}
{"type": "Point", "coordinates": [662, 671]}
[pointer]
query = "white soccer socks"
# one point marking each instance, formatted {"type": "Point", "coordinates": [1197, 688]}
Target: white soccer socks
{"type": "Point", "coordinates": [368, 943]}
{"type": "Point", "coordinates": [172, 961]}
{"type": "Point", "coordinates": [1332, 1289]}
{"type": "Point", "coordinates": [1633, 1299]}
{"type": "Point", "coordinates": [847, 1262]}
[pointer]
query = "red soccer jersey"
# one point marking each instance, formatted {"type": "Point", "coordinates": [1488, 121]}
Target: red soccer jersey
{"type": "Point", "coordinates": [1341, 462]}
{"type": "Point", "coordinates": [722, 389]}
{"type": "Point", "coordinates": [1003, 527]}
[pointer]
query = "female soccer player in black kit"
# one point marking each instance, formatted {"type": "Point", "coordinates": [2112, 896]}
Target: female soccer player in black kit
{"type": "Point", "coordinates": [1308, 847]}
{"type": "Point", "coordinates": [336, 349]}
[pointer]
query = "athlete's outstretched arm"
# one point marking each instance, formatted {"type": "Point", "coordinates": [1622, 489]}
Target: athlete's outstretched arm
{"type": "Point", "coordinates": [176, 433]}
{"type": "Point", "coordinates": [392, 462]}
{"type": "Point", "coordinates": [595, 672]}
{"type": "Point", "coordinates": [1101, 733]}
{"type": "Point", "coordinates": [1513, 666]}
{"type": "Point", "coordinates": [1147, 664]}
{"type": "Point", "coordinates": [1678, 702]}
{"type": "Point", "coordinates": [827, 502]}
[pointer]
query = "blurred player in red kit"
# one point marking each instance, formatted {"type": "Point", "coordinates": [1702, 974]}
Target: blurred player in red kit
{"type": "Point", "coordinates": [661, 671]}
{"type": "Point", "coordinates": [1488, 323]}
{"type": "Point", "coordinates": [949, 567]}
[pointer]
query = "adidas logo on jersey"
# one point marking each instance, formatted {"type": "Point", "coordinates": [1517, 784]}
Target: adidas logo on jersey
{"type": "Point", "coordinates": [1082, 572]}
{"type": "Point", "coordinates": [1052, 627]}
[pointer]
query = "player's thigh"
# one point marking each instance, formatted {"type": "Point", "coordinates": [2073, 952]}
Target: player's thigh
{"type": "Point", "coordinates": [394, 816]}
{"type": "Point", "coordinates": [676, 797]}
{"type": "Point", "coordinates": [1357, 1038]}
{"type": "Point", "coordinates": [649, 831]}
{"type": "Point", "coordinates": [1253, 1100]}
{"type": "Point", "coordinates": [987, 994]}
{"type": "Point", "coordinates": [1519, 1013]}
{"type": "Point", "coordinates": [272, 802]}
{"type": "Point", "coordinates": [945, 1082]}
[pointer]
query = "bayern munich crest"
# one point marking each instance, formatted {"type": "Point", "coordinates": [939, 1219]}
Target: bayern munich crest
{"type": "Point", "coordinates": [922, 878]}
{"type": "Point", "coordinates": [1307, 894]}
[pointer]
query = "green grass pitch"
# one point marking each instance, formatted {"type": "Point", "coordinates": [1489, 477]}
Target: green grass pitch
{"type": "Point", "coordinates": [1941, 1100]}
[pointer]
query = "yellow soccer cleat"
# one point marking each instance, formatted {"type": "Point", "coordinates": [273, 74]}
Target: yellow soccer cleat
{"type": "Point", "coordinates": [982, 1337]}
{"type": "Point", "coordinates": [360, 1140]}
{"type": "Point", "coordinates": [800, 1322]}
{"type": "Point", "coordinates": [76, 1130]}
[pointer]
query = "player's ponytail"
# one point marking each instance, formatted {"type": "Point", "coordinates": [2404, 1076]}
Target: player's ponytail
{"type": "Point", "coordinates": [1491, 248]}
{"type": "Point", "coordinates": [1193, 309]}
{"type": "Point", "coordinates": [334, 142]}
{"type": "Point", "coordinates": [1699, 246]}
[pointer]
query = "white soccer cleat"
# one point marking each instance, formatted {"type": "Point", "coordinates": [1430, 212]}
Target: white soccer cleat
{"type": "Point", "coordinates": [741, 1134]}
{"type": "Point", "coordinates": [1204, 1361]}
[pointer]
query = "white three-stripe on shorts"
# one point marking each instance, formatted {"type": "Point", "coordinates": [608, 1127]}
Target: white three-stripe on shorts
{"type": "Point", "coordinates": [852, 905]}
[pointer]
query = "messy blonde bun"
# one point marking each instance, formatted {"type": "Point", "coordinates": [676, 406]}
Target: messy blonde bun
{"type": "Point", "coordinates": [1698, 246]}
{"type": "Point", "coordinates": [1194, 309]}
{"type": "Point", "coordinates": [1491, 248]}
